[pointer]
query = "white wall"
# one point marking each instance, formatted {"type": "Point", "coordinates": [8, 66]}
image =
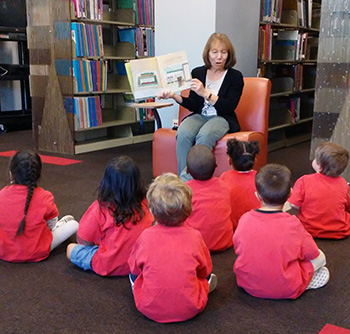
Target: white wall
{"type": "Point", "coordinates": [239, 20]}
{"type": "Point", "coordinates": [182, 25]}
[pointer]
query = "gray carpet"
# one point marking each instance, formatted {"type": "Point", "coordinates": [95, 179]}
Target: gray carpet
{"type": "Point", "coordinates": [54, 296]}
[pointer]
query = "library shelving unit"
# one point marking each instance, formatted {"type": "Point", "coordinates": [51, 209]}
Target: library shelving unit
{"type": "Point", "coordinates": [61, 121]}
{"type": "Point", "coordinates": [288, 43]}
{"type": "Point", "coordinates": [17, 71]}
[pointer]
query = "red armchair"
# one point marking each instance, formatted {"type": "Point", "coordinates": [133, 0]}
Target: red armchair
{"type": "Point", "coordinates": [252, 113]}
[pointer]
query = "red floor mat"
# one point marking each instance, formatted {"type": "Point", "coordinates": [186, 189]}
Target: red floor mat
{"type": "Point", "coordinates": [47, 159]}
{"type": "Point", "coordinates": [331, 329]}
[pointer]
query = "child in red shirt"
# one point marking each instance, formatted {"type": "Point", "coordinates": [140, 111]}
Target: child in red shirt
{"type": "Point", "coordinates": [211, 207]}
{"type": "Point", "coordinates": [170, 264]}
{"type": "Point", "coordinates": [322, 199]}
{"type": "Point", "coordinates": [29, 225]}
{"type": "Point", "coordinates": [111, 225]}
{"type": "Point", "coordinates": [276, 257]}
{"type": "Point", "coordinates": [241, 180]}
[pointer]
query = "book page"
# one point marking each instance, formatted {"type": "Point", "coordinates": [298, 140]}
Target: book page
{"type": "Point", "coordinates": [144, 78]}
{"type": "Point", "coordinates": [174, 71]}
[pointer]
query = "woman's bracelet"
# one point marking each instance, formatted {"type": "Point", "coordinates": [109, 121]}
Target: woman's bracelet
{"type": "Point", "coordinates": [208, 98]}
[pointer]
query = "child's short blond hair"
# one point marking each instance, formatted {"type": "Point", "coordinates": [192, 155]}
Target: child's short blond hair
{"type": "Point", "coordinates": [331, 158]}
{"type": "Point", "coordinates": [170, 200]}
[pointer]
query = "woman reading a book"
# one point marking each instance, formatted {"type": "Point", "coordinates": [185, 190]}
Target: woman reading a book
{"type": "Point", "coordinates": [215, 92]}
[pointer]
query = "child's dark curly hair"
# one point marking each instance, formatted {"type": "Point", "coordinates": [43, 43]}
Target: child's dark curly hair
{"type": "Point", "coordinates": [242, 153]}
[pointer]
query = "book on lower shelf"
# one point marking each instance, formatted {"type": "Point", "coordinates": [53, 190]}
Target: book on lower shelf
{"type": "Point", "coordinates": [150, 76]}
{"type": "Point", "coordinates": [87, 112]}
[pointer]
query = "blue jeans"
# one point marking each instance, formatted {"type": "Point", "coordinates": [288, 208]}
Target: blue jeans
{"type": "Point", "coordinates": [198, 130]}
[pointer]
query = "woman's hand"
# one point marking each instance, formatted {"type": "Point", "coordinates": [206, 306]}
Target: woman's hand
{"type": "Point", "coordinates": [198, 88]}
{"type": "Point", "coordinates": [167, 94]}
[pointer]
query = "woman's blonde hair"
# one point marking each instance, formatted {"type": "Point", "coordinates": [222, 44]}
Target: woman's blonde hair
{"type": "Point", "coordinates": [170, 200]}
{"type": "Point", "coordinates": [231, 57]}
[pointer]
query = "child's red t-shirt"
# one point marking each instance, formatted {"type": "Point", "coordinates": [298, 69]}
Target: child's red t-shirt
{"type": "Point", "coordinates": [273, 255]}
{"type": "Point", "coordinates": [35, 242]}
{"type": "Point", "coordinates": [172, 265]}
{"type": "Point", "coordinates": [324, 203]}
{"type": "Point", "coordinates": [242, 193]}
{"type": "Point", "coordinates": [211, 209]}
{"type": "Point", "coordinates": [115, 242]}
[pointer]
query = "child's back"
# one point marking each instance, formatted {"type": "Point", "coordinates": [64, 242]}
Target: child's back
{"type": "Point", "coordinates": [29, 225]}
{"type": "Point", "coordinates": [111, 225]}
{"type": "Point", "coordinates": [210, 200]}
{"type": "Point", "coordinates": [211, 212]}
{"type": "Point", "coordinates": [115, 242]}
{"type": "Point", "coordinates": [242, 193]}
{"type": "Point", "coordinates": [323, 199]}
{"type": "Point", "coordinates": [276, 257]}
{"type": "Point", "coordinates": [273, 255]}
{"type": "Point", "coordinates": [171, 259]}
{"type": "Point", "coordinates": [170, 264]}
{"type": "Point", "coordinates": [35, 242]}
{"type": "Point", "coordinates": [241, 180]}
{"type": "Point", "coordinates": [324, 203]}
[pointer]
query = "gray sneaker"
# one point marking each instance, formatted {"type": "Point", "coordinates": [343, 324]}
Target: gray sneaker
{"type": "Point", "coordinates": [319, 279]}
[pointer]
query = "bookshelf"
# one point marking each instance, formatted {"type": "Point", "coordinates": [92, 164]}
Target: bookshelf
{"type": "Point", "coordinates": [287, 55]}
{"type": "Point", "coordinates": [15, 108]}
{"type": "Point", "coordinates": [80, 93]}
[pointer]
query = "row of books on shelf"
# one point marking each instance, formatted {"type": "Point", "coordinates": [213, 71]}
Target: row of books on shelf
{"type": "Point", "coordinates": [271, 10]}
{"type": "Point", "coordinates": [144, 10]}
{"type": "Point", "coordinates": [301, 13]}
{"type": "Point", "coordinates": [88, 9]}
{"type": "Point", "coordinates": [87, 40]}
{"type": "Point", "coordinates": [142, 38]}
{"type": "Point", "coordinates": [287, 45]}
{"type": "Point", "coordinates": [87, 112]}
{"type": "Point", "coordinates": [89, 75]}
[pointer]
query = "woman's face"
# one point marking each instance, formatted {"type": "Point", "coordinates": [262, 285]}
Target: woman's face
{"type": "Point", "coordinates": [218, 55]}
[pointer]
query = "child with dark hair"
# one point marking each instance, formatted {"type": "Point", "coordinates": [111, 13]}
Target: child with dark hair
{"type": "Point", "coordinates": [170, 265]}
{"type": "Point", "coordinates": [241, 179]}
{"type": "Point", "coordinates": [210, 201]}
{"type": "Point", "coordinates": [276, 257]}
{"type": "Point", "coordinates": [322, 199]}
{"type": "Point", "coordinates": [29, 225]}
{"type": "Point", "coordinates": [111, 225]}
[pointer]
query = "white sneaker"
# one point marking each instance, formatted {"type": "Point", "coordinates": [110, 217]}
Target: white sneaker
{"type": "Point", "coordinates": [319, 279]}
{"type": "Point", "coordinates": [213, 281]}
{"type": "Point", "coordinates": [63, 220]}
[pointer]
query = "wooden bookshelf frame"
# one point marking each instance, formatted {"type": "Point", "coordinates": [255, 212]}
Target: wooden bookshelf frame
{"type": "Point", "coordinates": [51, 81]}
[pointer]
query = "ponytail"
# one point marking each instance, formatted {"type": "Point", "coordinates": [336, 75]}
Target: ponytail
{"type": "Point", "coordinates": [25, 168]}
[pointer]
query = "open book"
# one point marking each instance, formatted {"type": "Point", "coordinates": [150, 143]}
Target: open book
{"type": "Point", "coordinates": [150, 76]}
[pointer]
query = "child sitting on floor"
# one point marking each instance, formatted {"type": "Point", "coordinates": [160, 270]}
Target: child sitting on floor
{"type": "Point", "coordinates": [241, 180]}
{"type": "Point", "coordinates": [111, 225]}
{"type": "Point", "coordinates": [322, 199]}
{"type": "Point", "coordinates": [29, 225]}
{"type": "Point", "coordinates": [170, 265]}
{"type": "Point", "coordinates": [276, 257]}
{"type": "Point", "coordinates": [211, 206]}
